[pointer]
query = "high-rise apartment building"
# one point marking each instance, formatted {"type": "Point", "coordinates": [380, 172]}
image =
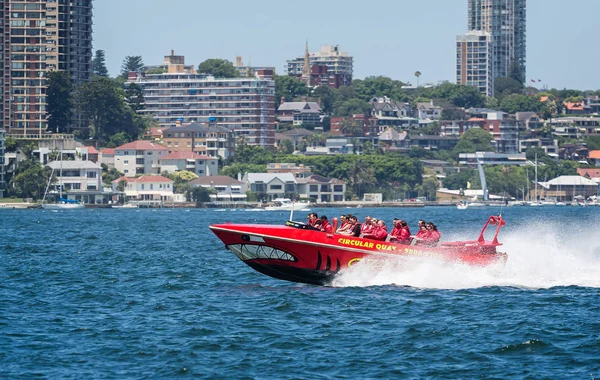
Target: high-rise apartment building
{"type": "Point", "coordinates": [505, 21]}
{"type": "Point", "coordinates": [45, 35]}
{"type": "Point", "coordinates": [243, 105]}
{"type": "Point", "coordinates": [330, 67]}
{"type": "Point", "coordinates": [474, 61]}
{"type": "Point", "coordinates": [4, 64]}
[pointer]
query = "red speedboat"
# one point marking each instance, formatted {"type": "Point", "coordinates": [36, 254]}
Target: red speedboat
{"type": "Point", "coordinates": [297, 252]}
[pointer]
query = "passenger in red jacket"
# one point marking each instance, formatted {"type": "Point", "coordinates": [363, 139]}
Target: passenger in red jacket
{"type": "Point", "coordinates": [433, 236]}
{"type": "Point", "coordinates": [421, 234]}
{"type": "Point", "coordinates": [404, 236]}
{"type": "Point", "coordinates": [367, 226]}
{"type": "Point", "coordinates": [325, 226]}
{"type": "Point", "coordinates": [379, 232]}
{"type": "Point", "coordinates": [395, 232]}
{"type": "Point", "coordinates": [312, 219]}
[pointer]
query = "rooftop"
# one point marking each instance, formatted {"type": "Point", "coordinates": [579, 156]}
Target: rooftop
{"type": "Point", "coordinates": [141, 145]}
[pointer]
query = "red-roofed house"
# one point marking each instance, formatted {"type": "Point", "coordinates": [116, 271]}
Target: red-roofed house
{"type": "Point", "coordinates": [574, 108]}
{"type": "Point", "coordinates": [147, 188]}
{"type": "Point", "coordinates": [154, 134]}
{"type": "Point", "coordinates": [88, 153]}
{"type": "Point", "coordinates": [200, 164]}
{"type": "Point", "coordinates": [594, 156]}
{"type": "Point", "coordinates": [139, 157]}
{"type": "Point", "coordinates": [593, 174]}
{"type": "Point", "coordinates": [107, 157]}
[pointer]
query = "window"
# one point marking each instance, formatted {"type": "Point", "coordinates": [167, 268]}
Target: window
{"type": "Point", "coordinates": [313, 188]}
{"type": "Point", "coordinates": [126, 162]}
{"type": "Point", "coordinates": [91, 175]}
{"type": "Point", "coordinates": [338, 188]}
{"type": "Point", "coordinates": [142, 186]}
{"type": "Point", "coordinates": [275, 187]}
{"type": "Point", "coordinates": [151, 186]}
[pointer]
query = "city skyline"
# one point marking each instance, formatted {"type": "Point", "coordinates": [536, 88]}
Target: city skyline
{"type": "Point", "coordinates": [394, 43]}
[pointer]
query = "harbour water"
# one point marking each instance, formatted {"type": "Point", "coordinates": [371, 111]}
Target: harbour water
{"type": "Point", "coordinates": [151, 293]}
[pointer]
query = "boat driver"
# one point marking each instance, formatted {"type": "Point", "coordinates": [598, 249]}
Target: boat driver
{"type": "Point", "coordinates": [312, 219]}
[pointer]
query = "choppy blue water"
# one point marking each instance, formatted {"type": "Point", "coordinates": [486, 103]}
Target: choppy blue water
{"type": "Point", "coordinates": [152, 293]}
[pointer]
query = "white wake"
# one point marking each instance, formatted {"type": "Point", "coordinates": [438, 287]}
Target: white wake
{"type": "Point", "coordinates": [543, 255]}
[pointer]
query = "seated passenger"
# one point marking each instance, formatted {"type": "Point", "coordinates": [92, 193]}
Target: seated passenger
{"type": "Point", "coordinates": [404, 237]}
{"type": "Point", "coordinates": [433, 236]}
{"type": "Point", "coordinates": [379, 232]}
{"type": "Point", "coordinates": [312, 219]}
{"type": "Point", "coordinates": [367, 226]}
{"type": "Point", "coordinates": [421, 234]}
{"type": "Point", "coordinates": [395, 232]}
{"type": "Point", "coordinates": [345, 224]}
{"type": "Point", "coordinates": [324, 225]}
{"type": "Point", "coordinates": [356, 228]}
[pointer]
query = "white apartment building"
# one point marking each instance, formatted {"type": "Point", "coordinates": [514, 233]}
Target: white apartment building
{"type": "Point", "coordinates": [76, 175]}
{"type": "Point", "coordinates": [190, 161]}
{"type": "Point", "coordinates": [474, 61]}
{"type": "Point", "coordinates": [147, 188]}
{"type": "Point", "coordinates": [139, 157]}
{"type": "Point", "coordinates": [243, 105]}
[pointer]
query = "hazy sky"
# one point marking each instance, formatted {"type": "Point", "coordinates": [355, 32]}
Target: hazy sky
{"type": "Point", "coordinates": [394, 38]}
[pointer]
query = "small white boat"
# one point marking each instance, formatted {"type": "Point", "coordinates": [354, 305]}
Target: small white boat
{"type": "Point", "coordinates": [62, 205]}
{"type": "Point", "coordinates": [462, 205]}
{"type": "Point", "coordinates": [286, 204]}
{"type": "Point", "coordinates": [126, 205]}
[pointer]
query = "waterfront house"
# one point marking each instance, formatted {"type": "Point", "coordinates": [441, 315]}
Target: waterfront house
{"type": "Point", "coordinates": [190, 161]}
{"type": "Point", "coordinates": [80, 180]}
{"type": "Point", "coordinates": [269, 186]}
{"type": "Point", "coordinates": [147, 188]}
{"type": "Point", "coordinates": [299, 113]}
{"type": "Point", "coordinates": [139, 157]}
{"type": "Point", "coordinates": [567, 188]}
{"type": "Point", "coordinates": [322, 189]}
{"type": "Point", "coordinates": [228, 189]}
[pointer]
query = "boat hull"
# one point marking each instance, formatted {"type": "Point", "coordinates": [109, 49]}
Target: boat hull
{"type": "Point", "coordinates": [303, 255]}
{"type": "Point", "coordinates": [62, 206]}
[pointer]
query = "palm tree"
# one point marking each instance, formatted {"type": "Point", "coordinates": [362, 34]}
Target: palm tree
{"type": "Point", "coordinates": [351, 127]}
{"type": "Point", "coordinates": [361, 174]}
{"type": "Point", "coordinates": [417, 74]}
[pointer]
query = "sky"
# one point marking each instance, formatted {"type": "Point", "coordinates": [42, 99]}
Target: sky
{"type": "Point", "coordinates": [394, 38]}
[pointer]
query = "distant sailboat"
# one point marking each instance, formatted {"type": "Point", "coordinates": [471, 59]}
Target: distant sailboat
{"type": "Point", "coordinates": [464, 205]}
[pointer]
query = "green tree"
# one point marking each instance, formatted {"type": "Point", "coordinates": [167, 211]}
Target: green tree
{"type": "Point", "coordinates": [134, 96]}
{"type": "Point", "coordinates": [288, 87]}
{"type": "Point", "coordinates": [157, 70]}
{"type": "Point", "coordinates": [361, 174]}
{"type": "Point", "coordinates": [232, 170]}
{"type": "Point", "coordinates": [515, 72]}
{"type": "Point", "coordinates": [131, 63]}
{"type": "Point", "coordinates": [352, 107]}
{"type": "Point", "coordinates": [30, 179]}
{"type": "Point", "coordinates": [351, 127]}
{"type": "Point", "coordinates": [99, 64]}
{"type": "Point", "coordinates": [286, 147]}
{"type": "Point", "coordinates": [185, 175]}
{"type": "Point", "coordinates": [467, 97]}
{"type": "Point", "coordinates": [220, 68]}
{"type": "Point", "coordinates": [60, 103]}
{"type": "Point", "coordinates": [459, 180]}
{"type": "Point", "coordinates": [327, 96]}
{"type": "Point", "coordinates": [200, 194]}
{"type": "Point", "coordinates": [506, 86]}
{"type": "Point", "coordinates": [474, 140]}
{"type": "Point", "coordinates": [101, 100]}
{"type": "Point", "coordinates": [520, 103]}
{"type": "Point", "coordinates": [378, 86]}
{"type": "Point", "coordinates": [121, 185]}
{"type": "Point", "coordinates": [10, 144]}
{"type": "Point", "coordinates": [108, 176]}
